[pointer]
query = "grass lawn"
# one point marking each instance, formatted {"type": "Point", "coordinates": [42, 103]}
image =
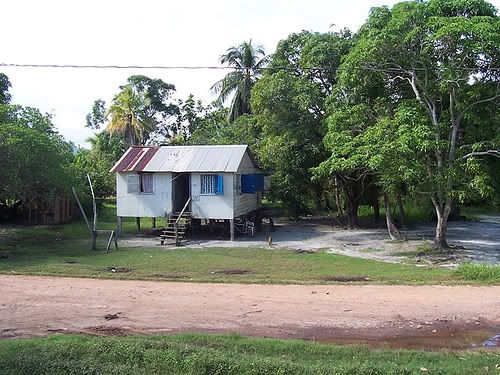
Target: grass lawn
{"type": "Point", "coordinates": [233, 354]}
{"type": "Point", "coordinates": [64, 250]}
{"type": "Point", "coordinates": [59, 251]}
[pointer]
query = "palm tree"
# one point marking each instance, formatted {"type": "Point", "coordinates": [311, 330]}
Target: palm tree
{"type": "Point", "coordinates": [248, 60]}
{"type": "Point", "coordinates": [128, 116]}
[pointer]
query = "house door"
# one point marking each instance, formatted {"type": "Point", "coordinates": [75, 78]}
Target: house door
{"type": "Point", "coordinates": [181, 190]}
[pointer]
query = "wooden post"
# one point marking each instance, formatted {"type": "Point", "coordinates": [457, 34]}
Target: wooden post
{"type": "Point", "coordinates": [81, 209]}
{"type": "Point", "coordinates": [94, 239]}
{"type": "Point", "coordinates": [112, 237]}
{"type": "Point", "coordinates": [138, 221]}
{"type": "Point", "coordinates": [119, 221]}
{"type": "Point", "coordinates": [94, 206]}
{"type": "Point", "coordinates": [153, 222]}
{"type": "Point", "coordinates": [231, 229]}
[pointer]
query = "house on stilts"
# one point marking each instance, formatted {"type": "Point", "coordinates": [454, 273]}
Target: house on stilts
{"type": "Point", "coordinates": [186, 184]}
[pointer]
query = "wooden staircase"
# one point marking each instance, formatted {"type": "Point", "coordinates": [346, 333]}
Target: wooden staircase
{"type": "Point", "coordinates": [176, 227]}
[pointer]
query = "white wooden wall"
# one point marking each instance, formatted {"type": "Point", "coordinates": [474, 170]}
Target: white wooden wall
{"type": "Point", "coordinates": [144, 205]}
{"type": "Point", "coordinates": [212, 206]}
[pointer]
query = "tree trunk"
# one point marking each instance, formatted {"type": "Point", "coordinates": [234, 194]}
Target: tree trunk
{"type": "Point", "coordinates": [391, 228]}
{"type": "Point", "coordinates": [352, 214]}
{"type": "Point", "coordinates": [338, 200]}
{"type": "Point", "coordinates": [442, 224]}
{"type": "Point", "coordinates": [376, 211]}
{"type": "Point", "coordinates": [402, 215]}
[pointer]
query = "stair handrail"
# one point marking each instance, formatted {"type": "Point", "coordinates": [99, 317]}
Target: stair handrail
{"type": "Point", "coordinates": [176, 224]}
{"type": "Point", "coordinates": [182, 211]}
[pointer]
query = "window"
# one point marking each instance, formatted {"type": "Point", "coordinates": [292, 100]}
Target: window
{"type": "Point", "coordinates": [147, 183]}
{"type": "Point", "coordinates": [132, 184]}
{"type": "Point", "coordinates": [140, 183]}
{"type": "Point", "coordinates": [212, 184]}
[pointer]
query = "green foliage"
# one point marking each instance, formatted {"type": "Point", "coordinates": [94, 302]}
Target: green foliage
{"type": "Point", "coordinates": [213, 130]}
{"type": "Point", "coordinates": [97, 118]}
{"type": "Point", "coordinates": [290, 109]}
{"type": "Point", "coordinates": [34, 166]}
{"type": "Point", "coordinates": [416, 102]}
{"type": "Point", "coordinates": [4, 89]}
{"type": "Point", "coordinates": [479, 272]}
{"type": "Point", "coordinates": [105, 150]}
{"type": "Point", "coordinates": [247, 59]}
{"type": "Point", "coordinates": [139, 111]}
{"type": "Point", "coordinates": [28, 117]}
{"type": "Point", "coordinates": [36, 162]}
{"type": "Point", "coordinates": [232, 354]}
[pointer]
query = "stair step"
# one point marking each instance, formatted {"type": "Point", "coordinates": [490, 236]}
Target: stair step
{"type": "Point", "coordinates": [170, 238]}
{"type": "Point", "coordinates": [181, 221]}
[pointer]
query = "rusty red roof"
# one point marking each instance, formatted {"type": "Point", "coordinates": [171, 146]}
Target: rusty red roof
{"type": "Point", "coordinates": [135, 159]}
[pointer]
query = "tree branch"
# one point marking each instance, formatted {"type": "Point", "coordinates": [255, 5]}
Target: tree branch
{"type": "Point", "coordinates": [496, 96]}
{"type": "Point", "coordinates": [495, 153]}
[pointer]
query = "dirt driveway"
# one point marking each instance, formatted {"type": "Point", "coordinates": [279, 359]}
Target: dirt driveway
{"type": "Point", "coordinates": [35, 306]}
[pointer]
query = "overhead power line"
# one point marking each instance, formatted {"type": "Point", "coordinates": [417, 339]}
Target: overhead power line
{"type": "Point", "coordinates": [181, 67]}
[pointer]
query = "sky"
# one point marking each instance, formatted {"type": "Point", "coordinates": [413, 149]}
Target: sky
{"type": "Point", "coordinates": [147, 32]}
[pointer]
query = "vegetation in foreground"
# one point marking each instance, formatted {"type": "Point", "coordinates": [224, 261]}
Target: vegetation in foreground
{"type": "Point", "coordinates": [205, 354]}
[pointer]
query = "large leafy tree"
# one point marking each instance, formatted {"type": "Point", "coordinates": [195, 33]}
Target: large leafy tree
{"type": "Point", "coordinates": [436, 65]}
{"type": "Point", "coordinates": [141, 110]}
{"type": "Point", "coordinates": [37, 166]}
{"type": "Point", "coordinates": [289, 104]}
{"type": "Point", "coordinates": [247, 60]}
{"type": "Point", "coordinates": [36, 161]}
{"type": "Point", "coordinates": [128, 117]}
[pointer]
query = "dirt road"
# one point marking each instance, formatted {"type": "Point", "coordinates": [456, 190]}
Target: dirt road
{"type": "Point", "coordinates": [34, 306]}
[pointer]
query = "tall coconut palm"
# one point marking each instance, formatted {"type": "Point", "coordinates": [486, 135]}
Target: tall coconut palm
{"type": "Point", "coordinates": [128, 116]}
{"type": "Point", "coordinates": [248, 60]}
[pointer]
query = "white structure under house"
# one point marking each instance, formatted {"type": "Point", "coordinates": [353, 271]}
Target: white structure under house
{"type": "Point", "coordinates": [188, 185]}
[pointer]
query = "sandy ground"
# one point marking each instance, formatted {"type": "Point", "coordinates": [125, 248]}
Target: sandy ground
{"type": "Point", "coordinates": [480, 240]}
{"type": "Point", "coordinates": [37, 306]}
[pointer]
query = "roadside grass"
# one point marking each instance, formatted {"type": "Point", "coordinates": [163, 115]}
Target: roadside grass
{"type": "Point", "coordinates": [232, 354]}
{"type": "Point", "coordinates": [476, 271]}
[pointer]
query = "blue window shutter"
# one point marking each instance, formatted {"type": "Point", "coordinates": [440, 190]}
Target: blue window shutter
{"type": "Point", "coordinates": [259, 182]}
{"type": "Point", "coordinates": [247, 183]}
{"type": "Point", "coordinates": [219, 184]}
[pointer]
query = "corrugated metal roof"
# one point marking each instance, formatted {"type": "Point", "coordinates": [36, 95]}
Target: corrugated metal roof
{"type": "Point", "coordinates": [135, 159]}
{"type": "Point", "coordinates": [221, 158]}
